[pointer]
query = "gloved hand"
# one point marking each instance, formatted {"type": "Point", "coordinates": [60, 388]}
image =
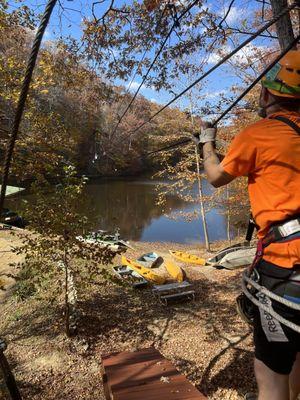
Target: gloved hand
{"type": "Point", "coordinates": [207, 134]}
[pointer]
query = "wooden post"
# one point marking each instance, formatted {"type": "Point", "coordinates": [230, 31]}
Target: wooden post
{"type": "Point", "coordinates": [200, 191]}
{"type": "Point", "coordinates": [228, 215]}
{"type": "Point", "coordinates": [203, 216]}
{"type": "Point", "coordinates": [283, 25]}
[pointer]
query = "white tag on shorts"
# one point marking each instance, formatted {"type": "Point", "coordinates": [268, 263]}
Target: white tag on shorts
{"type": "Point", "coordinates": [270, 325]}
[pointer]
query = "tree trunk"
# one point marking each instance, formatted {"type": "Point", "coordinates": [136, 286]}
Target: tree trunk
{"type": "Point", "coordinates": [67, 306]}
{"type": "Point", "coordinates": [203, 216]}
{"type": "Point", "coordinates": [283, 25]}
{"type": "Point", "coordinates": [70, 297]}
{"type": "Point", "coordinates": [202, 210]}
{"type": "Point", "coordinates": [228, 216]}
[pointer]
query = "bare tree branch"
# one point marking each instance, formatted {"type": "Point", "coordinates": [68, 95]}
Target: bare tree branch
{"type": "Point", "coordinates": [110, 8]}
{"type": "Point", "coordinates": [227, 13]}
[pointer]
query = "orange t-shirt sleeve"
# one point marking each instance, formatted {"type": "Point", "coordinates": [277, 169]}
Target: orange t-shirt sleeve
{"type": "Point", "coordinates": [240, 159]}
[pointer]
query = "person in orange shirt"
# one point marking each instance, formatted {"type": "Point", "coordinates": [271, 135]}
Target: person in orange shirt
{"type": "Point", "coordinates": [268, 153]}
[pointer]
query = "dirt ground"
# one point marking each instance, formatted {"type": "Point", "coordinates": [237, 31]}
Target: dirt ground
{"type": "Point", "coordinates": [204, 338]}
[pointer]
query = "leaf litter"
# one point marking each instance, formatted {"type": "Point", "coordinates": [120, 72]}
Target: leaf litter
{"type": "Point", "coordinates": [205, 339]}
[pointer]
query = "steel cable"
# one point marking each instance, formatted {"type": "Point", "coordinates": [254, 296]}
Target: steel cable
{"type": "Point", "coordinates": [222, 61]}
{"type": "Point", "coordinates": [242, 95]}
{"type": "Point", "coordinates": [23, 96]}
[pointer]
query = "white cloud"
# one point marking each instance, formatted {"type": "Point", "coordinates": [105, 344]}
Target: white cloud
{"type": "Point", "coordinates": [134, 85]}
{"type": "Point", "coordinates": [214, 57]}
{"type": "Point", "coordinates": [242, 57]}
{"type": "Point", "coordinates": [214, 95]}
{"type": "Point", "coordinates": [233, 16]}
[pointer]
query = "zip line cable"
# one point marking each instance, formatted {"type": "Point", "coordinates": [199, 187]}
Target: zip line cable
{"type": "Point", "coordinates": [289, 47]}
{"type": "Point", "coordinates": [32, 62]}
{"type": "Point", "coordinates": [242, 95]}
{"type": "Point", "coordinates": [23, 96]}
{"type": "Point", "coordinates": [222, 61]}
{"type": "Point", "coordinates": [175, 24]}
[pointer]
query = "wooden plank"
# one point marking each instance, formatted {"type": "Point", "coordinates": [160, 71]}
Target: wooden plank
{"type": "Point", "coordinates": [190, 295]}
{"type": "Point", "coordinates": [171, 286]}
{"type": "Point", "coordinates": [144, 375]}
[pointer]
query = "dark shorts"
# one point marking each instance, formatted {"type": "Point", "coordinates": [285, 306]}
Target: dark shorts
{"type": "Point", "coordinates": [275, 344]}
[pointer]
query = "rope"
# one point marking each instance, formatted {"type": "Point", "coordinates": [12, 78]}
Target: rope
{"type": "Point", "coordinates": [175, 24]}
{"type": "Point", "coordinates": [222, 61]}
{"type": "Point", "coordinates": [23, 96]}
{"type": "Point", "coordinates": [269, 309]}
{"type": "Point", "coordinates": [272, 295]}
{"type": "Point", "coordinates": [245, 92]}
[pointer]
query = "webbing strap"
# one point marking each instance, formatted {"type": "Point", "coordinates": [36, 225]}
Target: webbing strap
{"type": "Point", "coordinates": [288, 122]}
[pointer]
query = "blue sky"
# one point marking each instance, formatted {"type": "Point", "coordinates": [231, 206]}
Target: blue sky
{"type": "Point", "coordinates": [68, 22]}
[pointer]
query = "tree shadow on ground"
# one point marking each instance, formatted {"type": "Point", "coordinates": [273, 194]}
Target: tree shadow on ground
{"type": "Point", "coordinates": [116, 318]}
{"type": "Point", "coordinates": [129, 313]}
{"type": "Point", "coordinates": [237, 374]}
{"type": "Point", "coordinates": [29, 322]}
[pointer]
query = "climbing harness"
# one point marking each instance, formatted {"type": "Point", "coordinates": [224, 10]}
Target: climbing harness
{"type": "Point", "coordinates": [250, 228]}
{"type": "Point", "coordinates": [251, 280]}
{"type": "Point", "coordinates": [245, 308]}
{"type": "Point", "coordinates": [253, 292]}
{"type": "Point", "coordinates": [265, 296]}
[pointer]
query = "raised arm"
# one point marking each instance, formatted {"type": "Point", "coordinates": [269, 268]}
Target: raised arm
{"type": "Point", "coordinates": [216, 175]}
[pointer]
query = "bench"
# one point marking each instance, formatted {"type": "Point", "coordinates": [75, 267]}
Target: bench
{"type": "Point", "coordinates": [174, 291]}
{"type": "Point", "coordinates": [144, 375]}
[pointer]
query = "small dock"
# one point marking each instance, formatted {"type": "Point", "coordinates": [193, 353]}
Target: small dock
{"type": "Point", "coordinates": [144, 375]}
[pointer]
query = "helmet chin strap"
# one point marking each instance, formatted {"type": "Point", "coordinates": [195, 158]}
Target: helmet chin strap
{"type": "Point", "coordinates": [262, 111]}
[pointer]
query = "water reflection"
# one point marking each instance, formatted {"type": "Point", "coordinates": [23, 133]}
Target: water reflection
{"type": "Point", "coordinates": [131, 206]}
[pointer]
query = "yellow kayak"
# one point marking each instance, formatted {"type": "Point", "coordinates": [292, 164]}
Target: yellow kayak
{"type": "Point", "coordinates": [147, 273]}
{"type": "Point", "coordinates": [174, 271]}
{"type": "Point", "coordinates": [187, 258]}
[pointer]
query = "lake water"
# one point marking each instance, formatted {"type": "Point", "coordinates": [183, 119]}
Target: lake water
{"type": "Point", "coordinates": [130, 205]}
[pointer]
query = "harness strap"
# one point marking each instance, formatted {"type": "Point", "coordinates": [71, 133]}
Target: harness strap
{"type": "Point", "coordinates": [288, 122]}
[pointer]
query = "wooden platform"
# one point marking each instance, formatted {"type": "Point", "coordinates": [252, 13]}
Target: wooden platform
{"type": "Point", "coordinates": [144, 375]}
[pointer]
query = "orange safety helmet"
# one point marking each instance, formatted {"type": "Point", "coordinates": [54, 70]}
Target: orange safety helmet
{"type": "Point", "coordinates": [284, 78]}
